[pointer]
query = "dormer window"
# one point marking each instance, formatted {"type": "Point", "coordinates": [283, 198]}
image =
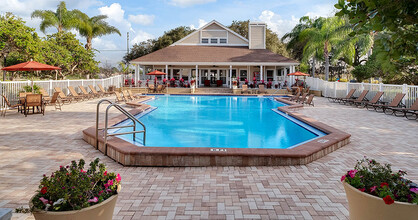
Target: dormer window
{"type": "Point", "coordinates": [222, 40]}
{"type": "Point", "coordinates": [214, 40]}
{"type": "Point", "coordinates": [205, 40]}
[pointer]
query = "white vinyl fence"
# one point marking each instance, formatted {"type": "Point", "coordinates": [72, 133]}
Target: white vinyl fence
{"type": "Point", "coordinates": [340, 89]}
{"type": "Point", "coordinates": [11, 89]}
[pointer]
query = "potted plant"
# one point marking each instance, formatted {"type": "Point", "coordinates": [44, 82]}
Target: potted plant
{"type": "Point", "coordinates": [375, 192]}
{"type": "Point", "coordinates": [74, 193]}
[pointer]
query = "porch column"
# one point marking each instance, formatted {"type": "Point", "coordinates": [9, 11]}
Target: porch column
{"type": "Point", "coordinates": [166, 71]}
{"type": "Point", "coordinates": [197, 76]}
{"type": "Point", "coordinates": [230, 76]}
{"type": "Point", "coordinates": [261, 72]}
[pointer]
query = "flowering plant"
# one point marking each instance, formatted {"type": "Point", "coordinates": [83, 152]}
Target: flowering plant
{"type": "Point", "coordinates": [376, 179]}
{"type": "Point", "coordinates": [192, 82]}
{"type": "Point", "coordinates": [172, 79]}
{"type": "Point", "coordinates": [73, 188]}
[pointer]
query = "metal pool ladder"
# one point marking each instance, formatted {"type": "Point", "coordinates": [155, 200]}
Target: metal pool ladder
{"type": "Point", "coordinates": [106, 128]}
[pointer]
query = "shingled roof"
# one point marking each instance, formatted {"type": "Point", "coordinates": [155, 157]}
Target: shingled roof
{"type": "Point", "coordinates": [212, 54]}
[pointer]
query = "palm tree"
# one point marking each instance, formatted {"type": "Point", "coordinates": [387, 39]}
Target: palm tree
{"type": "Point", "coordinates": [94, 27]}
{"type": "Point", "coordinates": [321, 40]}
{"type": "Point", "coordinates": [62, 19]}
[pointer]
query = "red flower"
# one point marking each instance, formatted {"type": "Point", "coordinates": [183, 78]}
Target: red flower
{"type": "Point", "coordinates": [384, 184]}
{"type": "Point", "coordinates": [105, 173]}
{"type": "Point", "coordinates": [362, 189]}
{"type": "Point", "coordinates": [388, 200]}
{"type": "Point", "coordinates": [43, 190]}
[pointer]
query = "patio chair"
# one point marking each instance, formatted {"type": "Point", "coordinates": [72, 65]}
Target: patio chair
{"type": "Point", "coordinates": [104, 91]}
{"type": "Point", "coordinates": [7, 106]}
{"type": "Point", "coordinates": [56, 101]}
{"type": "Point", "coordinates": [63, 97]}
{"type": "Point", "coordinates": [127, 96]}
{"type": "Point", "coordinates": [75, 95]}
{"type": "Point", "coordinates": [396, 102]}
{"type": "Point", "coordinates": [309, 101]}
{"type": "Point", "coordinates": [245, 89]}
{"type": "Point", "coordinates": [84, 92]}
{"type": "Point", "coordinates": [151, 88]}
{"type": "Point", "coordinates": [349, 96]}
{"type": "Point", "coordinates": [119, 97]}
{"type": "Point", "coordinates": [302, 99]}
{"type": "Point", "coordinates": [362, 97]}
{"type": "Point", "coordinates": [159, 89]}
{"type": "Point", "coordinates": [307, 89]}
{"type": "Point", "coordinates": [94, 91]}
{"type": "Point", "coordinates": [375, 100]}
{"type": "Point", "coordinates": [34, 100]}
{"type": "Point", "coordinates": [289, 91]}
{"type": "Point", "coordinates": [261, 89]}
{"type": "Point", "coordinates": [404, 112]}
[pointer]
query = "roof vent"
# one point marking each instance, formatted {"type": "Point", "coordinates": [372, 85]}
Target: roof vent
{"type": "Point", "coordinates": [257, 35]}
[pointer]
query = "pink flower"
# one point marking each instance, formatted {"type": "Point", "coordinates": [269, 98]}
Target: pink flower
{"type": "Point", "coordinates": [373, 188]}
{"type": "Point", "coordinates": [105, 173]}
{"type": "Point", "coordinates": [43, 200]}
{"type": "Point", "coordinates": [362, 189]}
{"type": "Point", "coordinates": [100, 193]}
{"type": "Point", "coordinates": [118, 178]}
{"type": "Point", "coordinates": [95, 199]}
{"type": "Point", "coordinates": [414, 190]}
{"type": "Point", "coordinates": [110, 182]}
{"type": "Point", "coordinates": [352, 173]}
{"type": "Point", "coordinates": [83, 171]}
{"type": "Point", "coordinates": [343, 178]}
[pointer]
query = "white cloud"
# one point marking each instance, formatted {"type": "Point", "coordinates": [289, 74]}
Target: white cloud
{"type": "Point", "coordinates": [201, 24]}
{"type": "Point", "coordinates": [187, 3]}
{"type": "Point", "coordinates": [141, 36]}
{"type": "Point", "coordinates": [324, 10]}
{"type": "Point", "coordinates": [101, 44]}
{"type": "Point", "coordinates": [142, 19]}
{"type": "Point", "coordinates": [116, 15]}
{"type": "Point", "coordinates": [276, 23]}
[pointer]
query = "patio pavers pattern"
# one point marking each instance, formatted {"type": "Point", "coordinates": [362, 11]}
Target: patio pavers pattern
{"type": "Point", "coordinates": [33, 146]}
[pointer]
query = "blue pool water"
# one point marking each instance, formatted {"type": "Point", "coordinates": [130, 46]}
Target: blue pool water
{"type": "Point", "coordinates": [220, 122]}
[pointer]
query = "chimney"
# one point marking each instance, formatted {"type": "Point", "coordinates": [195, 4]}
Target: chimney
{"type": "Point", "coordinates": [257, 35]}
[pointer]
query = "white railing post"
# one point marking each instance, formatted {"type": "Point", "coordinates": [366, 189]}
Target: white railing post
{"type": "Point", "coordinates": [82, 82]}
{"type": "Point", "coordinates": [362, 86]}
{"type": "Point", "coordinates": [335, 89]}
{"type": "Point", "coordinates": [405, 91]}
{"type": "Point", "coordinates": [380, 87]}
{"type": "Point", "coordinates": [348, 87]}
{"type": "Point", "coordinates": [50, 87]}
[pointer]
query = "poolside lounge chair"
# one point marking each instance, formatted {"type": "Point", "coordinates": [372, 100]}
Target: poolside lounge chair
{"type": "Point", "coordinates": [261, 89]}
{"type": "Point", "coordinates": [135, 96]}
{"type": "Point", "coordinates": [84, 92]}
{"type": "Point", "coordinates": [289, 91]}
{"type": "Point", "coordinates": [375, 100]}
{"type": "Point", "coordinates": [104, 91]}
{"type": "Point", "coordinates": [8, 105]}
{"type": "Point", "coordinates": [34, 100]}
{"type": "Point", "coordinates": [307, 89]}
{"type": "Point", "coordinates": [245, 89]}
{"type": "Point", "coordinates": [94, 91]}
{"type": "Point", "coordinates": [119, 97]}
{"type": "Point", "coordinates": [63, 97]}
{"type": "Point", "coordinates": [349, 96]}
{"type": "Point", "coordinates": [404, 112]}
{"type": "Point", "coordinates": [361, 97]}
{"type": "Point", "coordinates": [309, 101]}
{"type": "Point", "coordinates": [127, 96]}
{"type": "Point", "coordinates": [295, 97]}
{"type": "Point", "coordinates": [159, 89]}
{"type": "Point", "coordinates": [56, 101]}
{"type": "Point", "coordinates": [45, 95]}
{"type": "Point", "coordinates": [75, 95]}
{"type": "Point", "coordinates": [396, 102]}
{"type": "Point", "coordinates": [302, 99]}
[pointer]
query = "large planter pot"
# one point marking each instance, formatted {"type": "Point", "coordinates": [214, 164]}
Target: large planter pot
{"type": "Point", "coordinates": [365, 206]}
{"type": "Point", "coordinates": [103, 211]}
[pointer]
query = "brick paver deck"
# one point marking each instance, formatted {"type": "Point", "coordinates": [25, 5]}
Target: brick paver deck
{"type": "Point", "coordinates": [32, 146]}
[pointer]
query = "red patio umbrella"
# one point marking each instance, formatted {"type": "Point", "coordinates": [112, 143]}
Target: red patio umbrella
{"type": "Point", "coordinates": [298, 74]}
{"type": "Point", "coordinates": [30, 66]}
{"type": "Point", "coordinates": [156, 72]}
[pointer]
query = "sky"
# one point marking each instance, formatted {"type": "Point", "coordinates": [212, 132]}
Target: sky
{"type": "Point", "coordinates": [148, 19]}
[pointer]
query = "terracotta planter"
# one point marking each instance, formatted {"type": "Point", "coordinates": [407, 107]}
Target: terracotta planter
{"type": "Point", "coordinates": [365, 206]}
{"type": "Point", "coordinates": [103, 211]}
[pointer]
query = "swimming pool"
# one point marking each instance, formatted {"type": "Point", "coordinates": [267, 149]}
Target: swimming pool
{"type": "Point", "coordinates": [220, 122]}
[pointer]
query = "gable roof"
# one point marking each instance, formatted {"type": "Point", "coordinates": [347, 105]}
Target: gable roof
{"type": "Point", "coordinates": [208, 55]}
{"type": "Point", "coordinates": [207, 25]}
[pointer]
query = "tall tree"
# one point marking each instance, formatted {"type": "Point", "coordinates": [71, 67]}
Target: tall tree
{"type": "Point", "coordinates": [94, 27]}
{"type": "Point", "coordinates": [322, 39]}
{"type": "Point", "coordinates": [62, 19]}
